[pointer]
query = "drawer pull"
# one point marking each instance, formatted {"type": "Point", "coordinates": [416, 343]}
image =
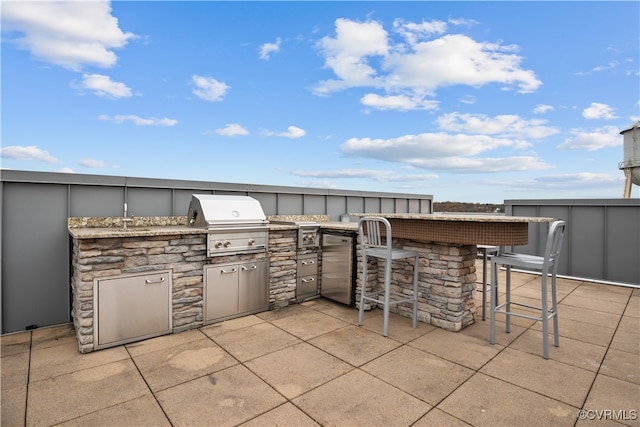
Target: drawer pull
{"type": "Point", "coordinates": [310, 279]}
{"type": "Point", "coordinates": [308, 262]}
{"type": "Point", "coordinates": [151, 282]}
{"type": "Point", "coordinates": [253, 267]}
{"type": "Point", "coordinates": [233, 270]}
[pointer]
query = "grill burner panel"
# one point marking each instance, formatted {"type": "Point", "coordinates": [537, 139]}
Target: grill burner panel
{"type": "Point", "coordinates": [308, 236]}
{"type": "Point", "coordinates": [235, 224]}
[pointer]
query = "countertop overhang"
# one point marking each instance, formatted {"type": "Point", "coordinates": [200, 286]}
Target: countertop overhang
{"type": "Point", "coordinates": [494, 230]}
{"type": "Point", "coordinates": [457, 217]}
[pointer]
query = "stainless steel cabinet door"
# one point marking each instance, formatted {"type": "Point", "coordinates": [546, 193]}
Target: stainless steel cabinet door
{"type": "Point", "coordinates": [221, 291]}
{"type": "Point", "coordinates": [132, 307]}
{"type": "Point", "coordinates": [253, 286]}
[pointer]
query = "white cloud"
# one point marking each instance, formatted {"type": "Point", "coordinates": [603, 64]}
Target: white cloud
{"type": "Point", "coordinates": [442, 151]}
{"type": "Point", "coordinates": [268, 48]}
{"type": "Point", "coordinates": [93, 164]}
{"type": "Point", "coordinates": [31, 152]}
{"type": "Point", "coordinates": [293, 132]}
{"type": "Point", "coordinates": [413, 32]}
{"type": "Point", "coordinates": [362, 54]}
{"type": "Point", "coordinates": [575, 182]}
{"type": "Point", "coordinates": [102, 85]}
{"type": "Point", "coordinates": [347, 54]}
{"type": "Point", "coordinates": [70, 34]}
{"type": "Point", "coordinates": [372, 174]}
{"type": "Point", "coordinates": [505, 125]}
{"type": "Point", "coordinates": [398, 102]}
{"type": "Point", "coordinates": [232, 129]}
{"type": "Point", "coordinates": [608, 136]}
{"type": "Point", "coordinates": [542, 108]}
{"type": "Point", "coordinates": [139, 121]}
{"type": "Point", "coordinates": [66, 170]}
{"type": "Point", "coordinates": [598, 111]}
{"type": "Point", "coordinates": [209, 89]}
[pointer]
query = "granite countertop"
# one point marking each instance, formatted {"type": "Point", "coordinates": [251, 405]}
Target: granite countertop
{"type": "Point", "coordinates": [110, 227]}
{"type": "Point", "coordinates": [458, 217]}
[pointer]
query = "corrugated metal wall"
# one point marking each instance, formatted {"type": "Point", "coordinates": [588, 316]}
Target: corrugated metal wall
{"type": "Point", "coordinates": [35, 242]}
{"type": "Point", "coordinates": [602, 240]}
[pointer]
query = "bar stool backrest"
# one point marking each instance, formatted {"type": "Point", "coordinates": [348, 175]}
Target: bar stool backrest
{"type": "Point", "coordinates": [554, 241]}
{"type": "Point", "coordinates": [371, 234]}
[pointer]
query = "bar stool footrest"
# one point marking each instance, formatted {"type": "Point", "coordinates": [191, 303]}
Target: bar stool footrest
{"type": "Point", "coordinates": [550, 314]}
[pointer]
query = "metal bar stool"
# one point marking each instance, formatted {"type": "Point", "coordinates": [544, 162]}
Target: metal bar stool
{"type": "Point", "coordinates": [486, 251]}
{"type": "Point", "coordinates": [378, 245]}
{"type": "Point", "coordinates": [546, 264]}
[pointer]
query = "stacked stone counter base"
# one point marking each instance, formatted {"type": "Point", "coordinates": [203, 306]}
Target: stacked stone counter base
{"type": "Point", "coordinates": [446, 287]}
{"type": "Point", "coordinates": [101, 250]}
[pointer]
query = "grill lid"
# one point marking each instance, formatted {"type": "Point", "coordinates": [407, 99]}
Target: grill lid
{"type": "Point", "coordinates": [211, 211]}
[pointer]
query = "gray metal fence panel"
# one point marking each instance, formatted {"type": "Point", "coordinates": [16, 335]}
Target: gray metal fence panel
{"type": "Point", "coordinates": [149, 201]}
{"type": "Point", "coordinates": [35, 256]}
{"type": "Point", "coordinates": [314, 204]}
{"type": "Point", "coordinates": [602, 240]}
{"type": "Point", "coordinates": [290, 204]}
{"type": "Point", "coordinates": [623, 244]}
{"type": "Point", "coordinates": [372, 204]}
{"type": "Point", "coordinates": [94, 200]}
{"type": "Point", "coordinates": [35, 279]}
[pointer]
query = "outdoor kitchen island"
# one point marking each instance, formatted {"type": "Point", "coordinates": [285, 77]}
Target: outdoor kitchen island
{"type": "Point", "coordinates": [163, 265]}
{"type": "Point", "coordinates": [447, 244]}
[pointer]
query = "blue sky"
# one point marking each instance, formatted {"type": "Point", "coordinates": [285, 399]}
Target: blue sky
{"type": "Point", "coordinates": [467, 101]}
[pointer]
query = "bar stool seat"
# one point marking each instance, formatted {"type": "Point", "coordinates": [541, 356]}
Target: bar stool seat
{"type": "Point", "coordinates": [487, 251]}
{"type": "Point", "coordinates": [546, 264]}
{"type": "Point", "coordinates": [377, 244]}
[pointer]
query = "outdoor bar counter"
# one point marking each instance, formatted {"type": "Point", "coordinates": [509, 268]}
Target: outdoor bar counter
{"type": "Point", "coordinates": [447, 244]}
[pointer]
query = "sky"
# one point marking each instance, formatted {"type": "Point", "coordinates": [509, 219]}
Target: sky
{"type": "Point", "coordinates": [466, 101]}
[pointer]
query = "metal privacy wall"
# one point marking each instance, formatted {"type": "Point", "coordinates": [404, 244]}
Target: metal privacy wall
{"type": "Point", "coordinates": [35, 241]}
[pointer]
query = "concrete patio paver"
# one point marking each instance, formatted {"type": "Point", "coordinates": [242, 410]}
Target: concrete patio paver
{"type": "Point", "coordinates": [142, 411]}
{"type": "Point", "coordinates": [224, 398]}
{"type": "Point", "coordinates": [591, 355]}
{"type": "Point", "coordinates": [488, 401]}
{"type": "Point", "coordinates": [360, 399]}
{"type": "Point", "coordinates": [254, 341]}
{"type": "Point", "coordinates": [60, 398]}
{"type": "Point", "coordinates": [425, 376]}
{"type": "Point", "coordinates": [355, 345]}
{"type": "Point", "coordinates": [546, 377]}
{"type": "Point", "coordinates": [178, 364]}
{"type": "Point", "coordinates": [612, 394]}
{"type": "Point", "coordinates": [286, 415]}
{"type": "Point", "coordinates": [458, 348]}
{"type": "Point", "coordinates": [306, 367]}
{"type": "Point", "coordinates": [309, 364]}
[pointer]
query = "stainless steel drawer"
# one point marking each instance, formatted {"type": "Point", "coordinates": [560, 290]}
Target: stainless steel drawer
{"type": "Point", "coordinates": [307, 265]}
{"type": "Point", "coordinates": [307, 286]}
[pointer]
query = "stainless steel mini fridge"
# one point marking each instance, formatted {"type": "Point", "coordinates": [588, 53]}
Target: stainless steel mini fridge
{"type": "Point", "coordinates": [337, 279]}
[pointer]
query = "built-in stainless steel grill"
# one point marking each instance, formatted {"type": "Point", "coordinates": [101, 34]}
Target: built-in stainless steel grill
{"type": "Point", "coordinates": [234, 224]}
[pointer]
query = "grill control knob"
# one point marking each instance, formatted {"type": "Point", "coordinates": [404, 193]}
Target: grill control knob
{"type": "Point", "coordinates": [226, 244]}
{"type": "Point", "coordinates": [218, 245]}
{"type": "Point", "coordinates": [251, 242]}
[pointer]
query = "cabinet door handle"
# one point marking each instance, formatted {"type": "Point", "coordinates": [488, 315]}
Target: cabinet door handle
{"type": "Point", "coordinates": [253, 267]}
{"type": "Point", "coordinates": [150, 282]}
{"type": "Point", "coordinates": [308, 262]}
{"type": "Point", "coordinates": [310, 279]}
{"type": "Point", "coordinates": [233, 270]}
